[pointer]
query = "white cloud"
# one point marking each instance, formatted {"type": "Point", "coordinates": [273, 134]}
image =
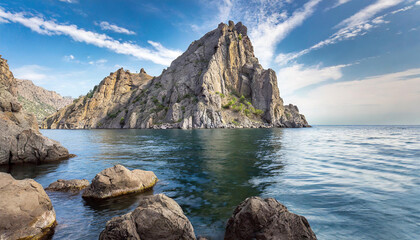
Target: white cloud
{"type": "Point", "coordinates": [357, 25]}
{"type": "Point", "coordinates": [224, 13]}
{"type": "Point", "coordinates": [418, 3]}
{"type": "Point", "coordinates": [338, 3]}
{"type": "Point", "coordinates": [98, 62]}
{"type": "Point", "coordinates": [68, 1]}
{"type": "Point", "coordinates": [271, 30]}
{"type": "Point", "coordinates": [298, 76]}
{"type": "Point", "coordinates": [35, 73]}
{"type": "Point", "coordinates": [112, 27]}
{"type": "Point", "coordinates": [160, 55]}
{"type": "Point", "coordinates": [385, 99]}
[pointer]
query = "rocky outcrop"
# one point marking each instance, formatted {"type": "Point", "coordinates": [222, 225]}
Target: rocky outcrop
{"type": "Point", "coordinates": [20, 139]}
{"type": "Point", "coordinates": [74, 185]}
{"type": "Point", "coordinates": [118, 180]}
{"type": "Point", "coordinates": [39, 101]}
{"type": "Point", "coordinates": [26, 210]}
{"type": "Point", "coordinates": [216, 83]}
{"type": "Point", "coordinates": [257, 218]}
{"type": "Point", "coordinates": [156, 217]}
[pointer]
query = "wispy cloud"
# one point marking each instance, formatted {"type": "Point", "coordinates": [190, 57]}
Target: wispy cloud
{"type": "Point", "coordinates": [68, 1]}
{"type": "Point", "coordinates": [338, 3]}
{"type": "Point", "coordinates": [299, 76]}
{"type": "Point", "coordinates": [114, 28]}
{"type": "Point", "coordinates": [383, 99]}
{"type": "Point", "coordinates": [34, 73]}
{"type": "Point", "coordinates": [270, 30]}
{"type": "Point", "coordinates": [160, 55]}
{"type": "Point", "coordinates": [357, 25]}
{"type": "Point", "coordinates": [224, 13]}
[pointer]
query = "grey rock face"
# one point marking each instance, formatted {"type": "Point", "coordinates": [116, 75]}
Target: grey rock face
{"type": "Point", "coordinates": [257, 218]}
{"type": "Point", "coordinates": [118, 180]}
{"type": "Point", "coordinates": [73, 185]}
{"type": "Point", "coordinates": [20, 139]}
{"type": "Point", "coordinates": [156, 217]}
{"type": "Point", "coordinates": [26, 210]}
{"type": "Point", "coordinates": [216, 83]}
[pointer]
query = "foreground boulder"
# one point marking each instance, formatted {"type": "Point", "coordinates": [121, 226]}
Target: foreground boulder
{"type": "Point", "coordinates": [20, 139]}
{"type": "Point", "coordinates": [118, 180]}
{"type": "Point", "coordinates": [26, 211]}
{"type": "Point", "coordinates": [156, 217]}
{"type": "Point", "coordinates": [74, 185]}
{"type": "Point", "coordinates": [257, 218]}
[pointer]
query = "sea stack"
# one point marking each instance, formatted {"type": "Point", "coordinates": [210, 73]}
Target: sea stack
{"type": "Point", "coordinates": [216, 83]}
{"type": "Point", "coordinates": [20, 139]}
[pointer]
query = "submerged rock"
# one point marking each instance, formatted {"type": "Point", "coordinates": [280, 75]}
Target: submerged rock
{"type": "Point", "coordinates": [118, 180]}
{"type": "Point", "coordinates": [26, 211]}
{"type": "Point", "coordinates": [73, 185]}
{"type": "Point", "coordinates": [156, 217]}
{"type": "Point", "coordinates": [20, 139]}
{"type": "Point", "coordinates": [257, 218]}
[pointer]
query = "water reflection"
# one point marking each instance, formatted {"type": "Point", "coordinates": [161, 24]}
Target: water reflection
{"type": "Point", "coordinates": [345, 180]}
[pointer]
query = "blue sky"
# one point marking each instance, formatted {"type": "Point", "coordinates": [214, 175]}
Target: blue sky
{"type": "Point", "coordinates": [340, 61]}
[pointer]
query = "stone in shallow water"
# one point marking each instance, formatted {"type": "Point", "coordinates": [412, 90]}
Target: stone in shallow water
{"type": "Point", "coordinates": [118, 180]}
{"type": "Point", "coordinates": [26, 210]}
{"type": "Point", "coordinates": [74, 185]}
{"type": "Point", "coordinates": [156, 217]}
{"type": "Point", "coordinates": [257, 218]}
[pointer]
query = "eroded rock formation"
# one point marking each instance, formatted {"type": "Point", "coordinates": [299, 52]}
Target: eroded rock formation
{"type": "Point", "coordinates": [26, 211]}
{"type": "Point", "coordinates": [216, 83]}
{"type": "Point", "coordinates": [20, 139]}
{"type": "Point", "coordinates": [156, 217]}
{"type": "Point", "coordinates": [257, 218]}
{"type": "Point", "coordinates": [118, 180]}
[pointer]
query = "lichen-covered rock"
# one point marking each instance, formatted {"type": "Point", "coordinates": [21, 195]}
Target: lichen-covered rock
{"type": "Point", "coordinates": [26, 211]}
{"type": "Point", "coordinates": [216, 83]}
{"type": "Point", "coordinates": [73, 185]}
{"type": "Point", "coordinates": [156, 217]}
{"type": "Point", "coordinates": [257, 218]}
{"type": "Point", "coordinates": [118, 180]}
{"type": "Point", "coordinates": [20, 139]}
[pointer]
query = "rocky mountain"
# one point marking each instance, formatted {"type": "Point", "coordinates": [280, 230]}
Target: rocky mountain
{"type": "Point", "coordinates": [217, 83]}
{"type": "Point", "coordinates": [39, 101]}
{"type": "Point", "coordinates": [20, 139]}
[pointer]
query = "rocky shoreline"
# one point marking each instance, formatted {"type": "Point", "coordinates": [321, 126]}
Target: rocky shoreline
{"type": "Point", "coordinates": [29, 214]}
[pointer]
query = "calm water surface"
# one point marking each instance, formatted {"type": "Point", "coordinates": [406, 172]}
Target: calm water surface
{"type": "Point", "coordinates": [351, 182]}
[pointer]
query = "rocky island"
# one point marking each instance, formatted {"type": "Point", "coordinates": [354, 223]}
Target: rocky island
{"type": "Point", "coordinates": [216, 83]}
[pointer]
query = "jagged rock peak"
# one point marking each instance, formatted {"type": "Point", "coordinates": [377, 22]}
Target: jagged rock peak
{"type": "Point", "coordinates": [142, 70]}
{"type": "Point", "coordinates": [216, 83]}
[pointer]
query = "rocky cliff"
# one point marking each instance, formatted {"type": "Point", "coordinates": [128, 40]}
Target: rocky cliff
{"type": "Point", "coordinates": [217, 83]}
{"type": "Point", "coordinates": [20, 139]}
{"type": "Point", "coordinates": [39, 101]}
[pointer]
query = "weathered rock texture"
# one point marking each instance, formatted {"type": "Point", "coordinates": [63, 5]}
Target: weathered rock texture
{"type": "Point", "coordinates": [74, 185]}
{"type": "Point", "coordinates": [20, 139]}
{"type": "Point", "coordinates": [156, 217]}
{"type": "Point", "coordinates": [216, 83]}
{"type": "Point", "coordinates": [118, 180]}
{"type": "Point", "coordinates": [257, 218]}
{"type": "Point", "coordinates": [39, 101]}
{"type": "Point", "coordinates": [26, 211]}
